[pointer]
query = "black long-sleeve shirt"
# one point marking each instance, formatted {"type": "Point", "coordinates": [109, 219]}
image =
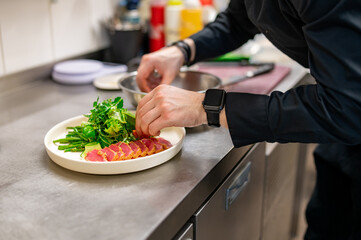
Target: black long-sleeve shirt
{"type": "Point", "coordinates": [324, 36]}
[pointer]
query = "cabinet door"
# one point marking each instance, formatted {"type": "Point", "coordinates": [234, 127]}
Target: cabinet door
{"type": "Point", "coordinates": [186, 233]}
{"type": "Point", "coordinates": [280, 183]}
{"type": "Point", "coordinates": [234, 210]}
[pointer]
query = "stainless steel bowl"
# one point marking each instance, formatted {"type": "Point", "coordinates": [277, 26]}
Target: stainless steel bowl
{"type": "Point", "coordinates": [189, 80]}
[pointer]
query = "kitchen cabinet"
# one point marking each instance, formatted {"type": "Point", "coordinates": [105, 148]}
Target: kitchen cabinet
{"type": "Point", "coordinates": [256, 200]}
{"type": "Point", "coordinates": [279, 190]}
{"type": "Point", "coordinates": [234, 210]}
{"type": "Point", "coordinates": [186, 233]}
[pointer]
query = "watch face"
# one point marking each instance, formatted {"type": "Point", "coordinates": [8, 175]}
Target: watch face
{"type": "Point", "coordinates": [214, 97]}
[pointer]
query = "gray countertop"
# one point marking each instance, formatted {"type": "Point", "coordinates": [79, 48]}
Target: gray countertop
{"type": "Point", "coordinates": [41, 200]}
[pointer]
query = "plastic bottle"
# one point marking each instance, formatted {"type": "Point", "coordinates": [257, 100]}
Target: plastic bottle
{"type": "Point", "coordinates": [156, 31]}
{"type": "Point", "coordinates": [172, 20]}
{"type": "Point", "coordinates": [132, 14]}
{"type": "Point", "coordinates": [144, 12]}
{"type": "Point", "coordinates": [191, 18]}
{"type": "Point", "coordinates": [209, 12]}
{"type": "Point", "coordinates": [120, 10]}
{"type": "Point", "coordinates": [221, 5]}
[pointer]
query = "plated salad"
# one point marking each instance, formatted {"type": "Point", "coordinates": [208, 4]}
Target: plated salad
{"type": "Point", "coordinates": [109, 135]}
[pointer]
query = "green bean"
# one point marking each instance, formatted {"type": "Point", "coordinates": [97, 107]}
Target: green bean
{"type": "Point", "coordinates": [67, 140]}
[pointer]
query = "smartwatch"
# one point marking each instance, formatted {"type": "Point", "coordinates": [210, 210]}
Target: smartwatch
{"type": "Point", "coordinates": [213, 104]}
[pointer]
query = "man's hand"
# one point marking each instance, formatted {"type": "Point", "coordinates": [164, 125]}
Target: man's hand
{"type": "Point", "coordinates": [168, 106]}
{"type": "Point", "coordinates": [166, 62]}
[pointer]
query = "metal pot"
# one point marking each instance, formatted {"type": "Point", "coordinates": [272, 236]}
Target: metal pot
{"type": "Point", "coordinates": [188, 80]}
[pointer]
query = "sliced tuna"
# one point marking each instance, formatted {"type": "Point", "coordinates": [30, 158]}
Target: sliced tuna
{"type": "Point", "coordinates": [158, 146]}
{"type": "Point", "coordinates": [118, 150]}
{"type": "Point", "coordinates": [136, 149]}
{"type": "Point", "coordinates": [93, 156]}
{"type": "Point", "coordinates": [143, 148]}
{"type": "Point", "coordinates": [127, 150]}
{"type": "Point", "coordinates": [166, 144]}
{"type": "Point", "coordinates": [124, 151]}
{"type": "Point", "coordinates": [149, 144]}
{"type": "Point", "coordinates": [110, 154]}
{"type": "Point", "coordinates": [135, 134]}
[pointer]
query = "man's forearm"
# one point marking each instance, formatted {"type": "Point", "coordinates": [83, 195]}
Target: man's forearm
{"type": "Point", "coordinates": [230, 30]}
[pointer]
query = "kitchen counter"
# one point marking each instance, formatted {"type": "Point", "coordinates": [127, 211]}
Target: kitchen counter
{"type": "Point", "coordinates": [41, 200]}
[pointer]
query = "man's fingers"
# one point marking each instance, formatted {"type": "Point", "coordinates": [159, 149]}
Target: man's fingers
{"type": "Point", "coordinates": [143, 108]}
{"type": "Point", "coordinates": [157, 125]}
{"type": "Point", "coordinates": [145, 69]}
{"type": "Point", "coordinates": [168, 77]}
{"type": "Point", "coordinates": [148, 119]}
{"type": "Point", "coordinates": [145, 105]}
{"type": "Point", "coordinates": [145, 100]}
{"type": "Point", "coordinates": [168, 106]}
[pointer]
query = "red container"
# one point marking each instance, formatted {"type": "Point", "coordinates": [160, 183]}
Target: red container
{"type": "Point", "coordinates": [206, 2]}
{"type": "Point", "coordinates": [156, 34]}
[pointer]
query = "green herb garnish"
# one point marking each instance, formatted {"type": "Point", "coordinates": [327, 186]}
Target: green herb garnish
{"type": "Point", "coordinates": [108, 123]}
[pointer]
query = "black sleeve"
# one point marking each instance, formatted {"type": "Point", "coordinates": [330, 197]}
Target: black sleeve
{"type": "Point", "coordinates": [328, 112]}
{"type": "Point", "coordinates": [230, 30]}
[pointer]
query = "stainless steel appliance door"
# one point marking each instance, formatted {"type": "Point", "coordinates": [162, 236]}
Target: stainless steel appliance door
{"type": "Point", "coordinates": [234, 210]}
{"type": "Point", "coordinates": [186, 233]}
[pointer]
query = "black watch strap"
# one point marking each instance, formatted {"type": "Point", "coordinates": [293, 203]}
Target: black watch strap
{"type": "Point", "coordinates": [213, 103]}
{"type": "Point", "coordinates": [185, 49]}
{"type": "Point", "coordinates": [213, 119]}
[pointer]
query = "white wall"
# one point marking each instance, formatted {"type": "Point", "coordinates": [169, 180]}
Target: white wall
{"type": "Point", "coordinates": [1, 56]}
{"type": "Point", "coordinates": [71, 22]}
{"type": "Point", "coordinates": [37, 32]}
{"type": "Point", "coordinates": [25, 32]}
{"type": "Point", "coordinates": [100, 10]}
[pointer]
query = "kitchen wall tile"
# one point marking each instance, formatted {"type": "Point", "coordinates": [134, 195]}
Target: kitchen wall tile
{"type": "Point", "coordinates": [101, 11]}
{"type": "Point", "coordinates": [25, 34]}
{"type": "Point", "coordinates": [72, 31]}
{"type": "Point", "coordinates": [1, 57]}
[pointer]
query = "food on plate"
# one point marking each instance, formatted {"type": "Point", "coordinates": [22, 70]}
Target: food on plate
{"type": "Point", "coordinates": [158, 146]}
{"type": "Point", "coordinates": [109, 135]}
{"type": "Point", "coordinates": [108, 154]}
{"type": "Point", "coordinates": [125, 151]}
{"type": "Point", "coordinates": [164, 142]}
{"type": "Point", "coordinates": [95, 157]}
{"type": "Point", "coordinates": [125, 148]}
{"type": "Point", "coordinates": [136, 149]}
{"type": "Point", "coordinates": [143, 148]}
{"type": "Point", "coordinates": [108, 123]}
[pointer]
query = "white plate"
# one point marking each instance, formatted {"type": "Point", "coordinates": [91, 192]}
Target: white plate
{"type": "Point", "coordinates": [78, 67]}
{"type": "Point", "coordinates": [110, 82]}
{"type": "Point", "coordinates": [74, 162]}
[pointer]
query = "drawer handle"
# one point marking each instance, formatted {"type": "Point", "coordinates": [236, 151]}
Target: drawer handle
{"type": "Point", "coordinates": [238, 185]}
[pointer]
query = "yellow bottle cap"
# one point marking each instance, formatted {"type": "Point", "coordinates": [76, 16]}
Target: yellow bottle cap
{"type": "Point", "coordinates": [175, 2]}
